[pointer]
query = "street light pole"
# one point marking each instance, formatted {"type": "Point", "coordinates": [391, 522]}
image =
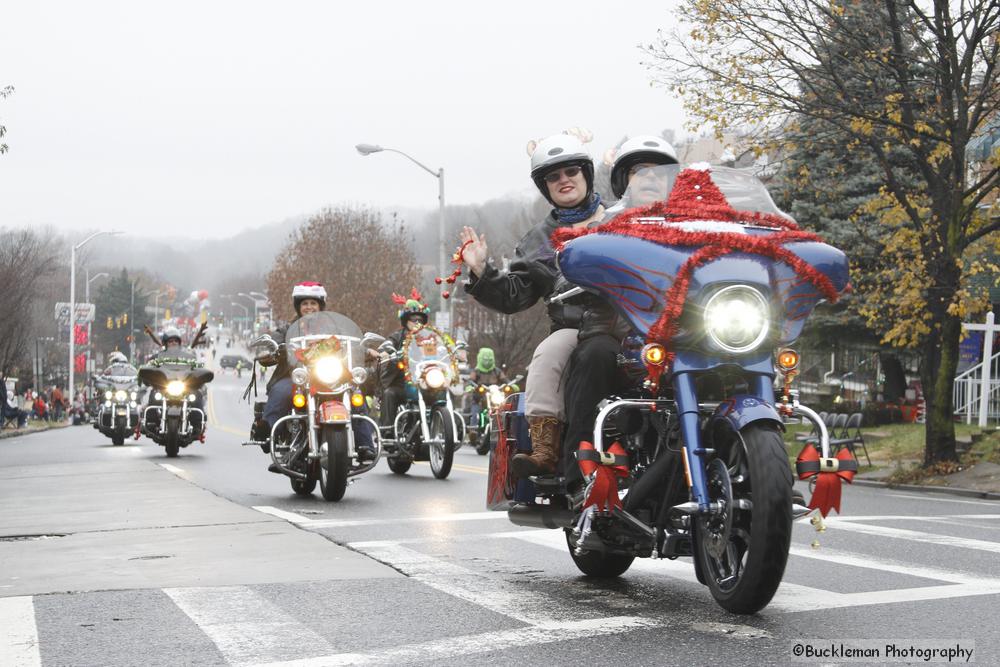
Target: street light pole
{"type": "Point", "coordinates": [246, 311]}
{"type": "Point", "coordinates": [72, 310]}
{"type": "Point", "coordinates": [247, 296]}
{"type": "Point", "coordinates": [368, 149]}
{"type": "Point", "coordinates": [90, 343]}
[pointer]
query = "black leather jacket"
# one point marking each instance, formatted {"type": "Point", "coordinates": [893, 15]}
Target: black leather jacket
{"type": "Point", "coordinates": [534, 275]}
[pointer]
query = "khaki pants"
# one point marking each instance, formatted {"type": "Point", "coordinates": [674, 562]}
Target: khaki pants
{"type": "Point", "coordinates": [547, 374]}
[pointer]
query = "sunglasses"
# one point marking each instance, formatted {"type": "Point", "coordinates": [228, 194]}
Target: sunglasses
{"type": "Point", "coordinates": [556, 176]}
{"type": "Point", "coordinates": [643, 166]}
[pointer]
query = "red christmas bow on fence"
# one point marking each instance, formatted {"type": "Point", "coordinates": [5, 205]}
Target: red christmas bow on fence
{"type": "Point", "coordinates": [606, 468]}
{"type": "Point", "coordinates": [829, 472]}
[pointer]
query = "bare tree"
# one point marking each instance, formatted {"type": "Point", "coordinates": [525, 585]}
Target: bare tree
{"type": "Point", "coordinates": [359, 259]}
{"type": "Point", "coordinates": [26, 260]}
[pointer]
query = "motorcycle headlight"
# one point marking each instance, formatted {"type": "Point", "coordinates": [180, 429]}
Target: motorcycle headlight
{"type": "Point", "coordinates": [359, 375]}
{"type": "Point", "coordinates": [329, 369]}
{"type": "Point", "coordinates": [120, 395]}
{"type": "Point", "coordinates": [134, 395]}
{"type": "Point", "coordinates": [496, 396]}
{"type": "Point", "coordinates": [300, 376]}
{"type": "Point", "coordinates": [737, 318]}
{"type": "Point", "coordinates": [175, 388]}
{"type": "Point", "coordinates": [435, 377]}
{"type": "Point", "coordinates": [108, 395]}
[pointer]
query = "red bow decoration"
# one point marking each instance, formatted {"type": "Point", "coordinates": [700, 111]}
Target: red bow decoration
{"type": "Point", "coordinates": [828, 473]}
{"type": "Point", "coordinates": [606, 470]}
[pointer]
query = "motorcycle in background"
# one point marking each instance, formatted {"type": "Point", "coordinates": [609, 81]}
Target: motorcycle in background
{"type": "Point", "coordinates": [483, 434]}
{"type": "Point", "coordinates": [315, 441]}
{"type": "Point", "coordinates": [118, 413]}
{"type": "Point", "coordinates": [426, 427]}
{"type": "Point", "coordinates": [689, 460]}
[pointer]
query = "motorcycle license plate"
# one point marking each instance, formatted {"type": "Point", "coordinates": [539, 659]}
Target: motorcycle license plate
{"type": "Point", "coordinates": [334, 412]}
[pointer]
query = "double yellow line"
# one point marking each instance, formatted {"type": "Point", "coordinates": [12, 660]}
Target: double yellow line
{"type": "Point", "coordinates": [214, 420]}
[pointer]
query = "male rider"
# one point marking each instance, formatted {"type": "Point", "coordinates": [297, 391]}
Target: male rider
{"type": "Point", "coordinates": [486, 372]}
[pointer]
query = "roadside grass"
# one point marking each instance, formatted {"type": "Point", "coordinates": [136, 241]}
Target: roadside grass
{"type": "Point", "coordinates": [900, 447]}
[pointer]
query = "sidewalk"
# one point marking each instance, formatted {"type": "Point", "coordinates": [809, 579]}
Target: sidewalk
{"type": "Point", "coordinates": [129, 524]}
{"type": "Point", "coordinates": [32, 427]}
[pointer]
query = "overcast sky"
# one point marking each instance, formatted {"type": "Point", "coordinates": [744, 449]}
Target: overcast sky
{"type": "Point", "coordinates": [206, 118]}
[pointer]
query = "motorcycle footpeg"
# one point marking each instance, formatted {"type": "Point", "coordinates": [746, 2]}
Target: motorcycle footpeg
{"type": "Point", "coordinates": [548, 483]}
{"type": "Point", "coordinates": [253, 443]}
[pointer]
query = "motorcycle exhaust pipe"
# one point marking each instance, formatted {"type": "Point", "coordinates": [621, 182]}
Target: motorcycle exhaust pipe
{"type": "Point", "coordinates": [540, 516]}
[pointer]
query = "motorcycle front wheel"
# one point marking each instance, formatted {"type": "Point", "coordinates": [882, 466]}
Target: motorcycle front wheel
{"type": "Point", "coordinates": [172, 443]}
{"type": "Point", "coordinates": [742, 557]}
{"type": "Point", "coordinates": [333, 466]}
{"type": "Point", "coordinates": [442, 452]}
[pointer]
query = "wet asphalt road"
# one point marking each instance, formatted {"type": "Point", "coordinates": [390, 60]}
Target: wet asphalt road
{"type": "Point", "coordinates": [208, 559]}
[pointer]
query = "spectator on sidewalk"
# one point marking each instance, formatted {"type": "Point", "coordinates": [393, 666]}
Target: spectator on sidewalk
{"type": "Point", "coordinates": [57, 404]}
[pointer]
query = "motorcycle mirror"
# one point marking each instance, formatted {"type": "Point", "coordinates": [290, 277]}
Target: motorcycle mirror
{"type": "Point", "coordinates": [371, 341]}
{"type": "Point", "coordinates": [461, 345]}
{"type": "Point", "coordinates": [387, 347]}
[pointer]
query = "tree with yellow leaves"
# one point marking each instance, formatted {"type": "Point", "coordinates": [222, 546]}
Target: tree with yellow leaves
{"type": "Point", "coordinates": [928, 74]}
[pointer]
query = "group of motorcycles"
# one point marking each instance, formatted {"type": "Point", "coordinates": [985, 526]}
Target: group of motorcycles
{"type": "Point", "coordinates": [159, 400]}
{"type": "Point", "coordinates": [688, 460]}
{"type": "Point", "coordinates": [316, 442]}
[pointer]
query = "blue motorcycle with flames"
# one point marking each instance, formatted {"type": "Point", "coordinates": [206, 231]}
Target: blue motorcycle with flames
{"type": "Point", "coordinates": [715, 283]}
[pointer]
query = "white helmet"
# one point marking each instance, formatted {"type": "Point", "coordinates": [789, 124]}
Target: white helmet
{"type": "Point", "coordinates": [308, 290]}
{"type": "Point", "coordinates": [171, 332]}
{"type": "Point", "coordinates": [556, 151]}
{"type": "Point", "coordinates": [644, 148]}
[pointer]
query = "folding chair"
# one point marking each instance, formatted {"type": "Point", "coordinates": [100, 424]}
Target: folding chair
{"type": "Point", "coordinates": [851, 439]}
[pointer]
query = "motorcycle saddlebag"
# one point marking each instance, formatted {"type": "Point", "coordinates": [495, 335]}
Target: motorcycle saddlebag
{"type": "Point", "coordinates": [503, 490]}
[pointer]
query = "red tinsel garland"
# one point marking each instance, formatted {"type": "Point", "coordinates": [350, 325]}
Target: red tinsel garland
{"type": "Point", "coordinates": [696, 198]}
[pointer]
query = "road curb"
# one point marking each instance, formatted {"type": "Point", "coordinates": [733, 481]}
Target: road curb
{"type": "Point", "coordinates": [969, 493]}
{"type": "Point", "coordinates": [21, 432]}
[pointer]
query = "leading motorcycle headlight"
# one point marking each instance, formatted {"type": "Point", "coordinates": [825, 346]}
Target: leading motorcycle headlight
{"type": "Point", "coordinates": [108, 395]}
{"type": "Point", "coordinates": [737, 318]}
{"type": "Point", "coordinates": [175, 388]}
{"type": "Point", "coordinates": [120, 395]}
{"type": "Point", "coordinates": [329, 369]}
{"type": "Point", "coordinates": [435, 377]}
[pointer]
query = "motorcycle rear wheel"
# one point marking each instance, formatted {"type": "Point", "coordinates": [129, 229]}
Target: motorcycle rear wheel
{"type": "Point", "coordinates": [333, 476]}
{"type": "Point", "coordinates": [441, 455]}
{"type": "Point", "coordinates": [399, 465]}
{"type": "Point", "coordinates": [745, 577]}
{"type": "Point", "coordinates": [598, 563]}
{"type": "Point", "coordinates": [304, 487]}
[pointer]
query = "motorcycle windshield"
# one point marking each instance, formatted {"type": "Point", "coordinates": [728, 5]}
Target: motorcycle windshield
{"type": "Point", "coordinates": [634, 274]}
{"type": "Point", "coordinates": [426, 345]}
{"type": "Point", "coordinates": [314, 328]}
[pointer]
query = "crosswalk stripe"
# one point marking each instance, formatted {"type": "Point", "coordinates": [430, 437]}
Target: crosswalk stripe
{"type": "Point", "coordinates": [453, 647]}
{"type": "Point", "coordinates": [247, 628]}
{"type": "Point", "coordinates": [915, 535]}
{"type": "Point", "coordinates": [19, 637]}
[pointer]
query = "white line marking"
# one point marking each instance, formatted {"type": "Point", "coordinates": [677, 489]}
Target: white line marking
{"type": "Point", "coordinates": [440, 518]}
{"type": "Point", "coordinates": [282, 514]}
{"type": "Point", "coordinates": [452, 647]}
{"type": "Point", "coordinates": [494, 594]}
{"type": "Point", "coordinates": [915, 535]}
{"type": "Point", "coordinates": [19, 639]}
{"type": "Point", "coordinates": [887, 565]}
{"type": "Point", "coordinates": [247, 628]}
{"type": "Point", "coordinates": [174, 469]}
{"type": "Point", "coordinates": [796, 597]}
{"type": "Point", "coordinates": [942, 500]}
{"type": "Point", "coordinates": [908, 517]}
